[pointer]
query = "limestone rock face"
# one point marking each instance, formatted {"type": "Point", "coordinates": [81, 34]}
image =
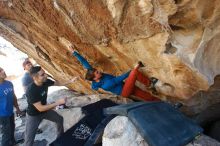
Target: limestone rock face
{"type": "Point", "coordinates": [177, 40]}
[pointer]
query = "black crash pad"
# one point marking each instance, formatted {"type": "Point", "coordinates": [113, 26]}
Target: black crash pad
{"type": "Point", "coordinates": [159, 123]}
{"type": "Point", "coordinates": [88, 129]}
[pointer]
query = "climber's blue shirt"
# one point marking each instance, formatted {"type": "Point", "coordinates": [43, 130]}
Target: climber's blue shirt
{"type": "Point", "coordinates": [6, 99]}
{"type": "Point", "coordinates": [107, 82]}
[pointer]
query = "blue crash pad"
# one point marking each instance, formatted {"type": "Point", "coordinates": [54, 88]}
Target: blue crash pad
{"type": "Point", "coordinates": [159, 123]}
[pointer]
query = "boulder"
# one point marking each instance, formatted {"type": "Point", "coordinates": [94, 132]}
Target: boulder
{"type": "Point", "coordinates": [121, 132]}
{"type": "Point", "coordinates": [177, 40]}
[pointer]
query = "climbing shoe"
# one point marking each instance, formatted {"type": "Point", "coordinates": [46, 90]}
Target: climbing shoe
{"type": "Point", "coordinates": [140, 64]}
{"type": "Point", "coordinates": [152, 87]}
{"type": "Point", "coordinates": [153, 81]}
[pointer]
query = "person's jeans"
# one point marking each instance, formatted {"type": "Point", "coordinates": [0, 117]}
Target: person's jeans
{"type": "Point", "coordinates": [7, 128]}
{"type": "Point", "coordinates": [32, 123]}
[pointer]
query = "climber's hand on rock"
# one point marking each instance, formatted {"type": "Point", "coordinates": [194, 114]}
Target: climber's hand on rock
{"type": "Point", "coordinates": [71, 49]}
{"type": "Point", "coordinates": [18, 113]}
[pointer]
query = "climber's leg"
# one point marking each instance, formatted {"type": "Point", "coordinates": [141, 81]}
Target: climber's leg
{"type": "Point", "coordinates": [144, 95]}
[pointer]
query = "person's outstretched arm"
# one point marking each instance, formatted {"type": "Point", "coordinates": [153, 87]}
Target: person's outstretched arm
{"type": "Point", "coordinates": [114, 81]}
{"type": "Point", "coordinates": [42, 108]}
{"type": "Point", "coordinates": [81, 59]}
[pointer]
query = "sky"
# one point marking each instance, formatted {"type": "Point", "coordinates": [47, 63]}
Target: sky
{"type": "Point", "coordinates": [11, 62]}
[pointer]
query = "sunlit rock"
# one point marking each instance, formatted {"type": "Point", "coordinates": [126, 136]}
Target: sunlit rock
{"type": "Point", "coordinates": [177, 40]}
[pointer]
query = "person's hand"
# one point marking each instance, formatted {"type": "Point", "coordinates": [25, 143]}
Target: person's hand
{"type": "Point", "coordinates": [71, 49]}
{"type": "Point", "coordinates": [61, 101]}
{"type": "Point", "coordinates": [18, 112]}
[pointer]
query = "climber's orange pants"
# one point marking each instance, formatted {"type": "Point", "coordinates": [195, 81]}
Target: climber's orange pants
{"type": "Point", "coordinates": [129, 87]}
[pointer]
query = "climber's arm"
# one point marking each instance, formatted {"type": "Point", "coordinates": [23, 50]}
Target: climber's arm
{"type": "Point", "coordinates": [81, 59]}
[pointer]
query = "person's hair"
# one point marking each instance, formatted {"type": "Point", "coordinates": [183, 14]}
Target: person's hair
{"type": "Point", "coordinates": [26, 61]}
{"type": "Point", "coordinates": [1, 68]}
{"type": "Point", "coordinates": [34, 70]}
{"type": "Point", "coordinates": [90, 74]}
